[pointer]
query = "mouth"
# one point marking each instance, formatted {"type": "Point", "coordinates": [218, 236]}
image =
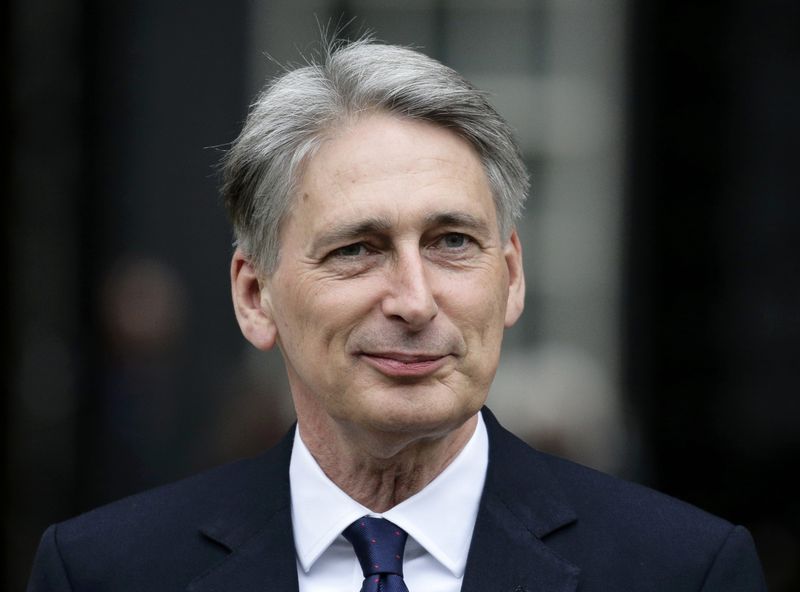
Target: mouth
{"type": "Point", "coordinates": [404, 365]}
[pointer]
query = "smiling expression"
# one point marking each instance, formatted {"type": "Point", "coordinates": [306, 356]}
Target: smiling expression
{"type": "Point", "coordinates": [393, 284]}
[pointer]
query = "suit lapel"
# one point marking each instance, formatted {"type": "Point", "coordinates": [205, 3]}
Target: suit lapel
{"type": "Point", "coordinates": [256, 530]}
{"type": "Point", "coordinates": [266, 561]}
{"type": "Point", "coordinates": [521, 505]}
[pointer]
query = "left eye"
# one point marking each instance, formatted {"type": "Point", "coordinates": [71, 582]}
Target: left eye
{"type": "Point", "coordinates": [454, 240]}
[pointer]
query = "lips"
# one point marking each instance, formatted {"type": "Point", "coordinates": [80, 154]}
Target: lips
{"type": "Point", "coordinates": [401, 364]}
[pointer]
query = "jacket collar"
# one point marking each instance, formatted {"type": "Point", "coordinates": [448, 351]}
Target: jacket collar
{"type": "Point", "coordinates": [521, 505]}
{"type": "Point", "coordinates": [255, 527]}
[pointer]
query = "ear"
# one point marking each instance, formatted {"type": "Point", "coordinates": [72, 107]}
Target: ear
{"type": "Point", "coordinates": [516, 279]}
{"type": "Point", "coordinates": [251, 303]}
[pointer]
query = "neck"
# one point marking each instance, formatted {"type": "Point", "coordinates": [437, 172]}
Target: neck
{"type": "Point", "coordinates": [379, 472]}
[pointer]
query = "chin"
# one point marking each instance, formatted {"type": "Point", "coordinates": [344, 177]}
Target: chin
{"type": "Point", "coordinates": [422, 418]}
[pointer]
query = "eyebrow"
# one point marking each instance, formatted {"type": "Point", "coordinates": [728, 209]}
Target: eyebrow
{"type": "Point", "coordinates": [347, 231]}
{"type": "Point", "coordinates": [459, 219]}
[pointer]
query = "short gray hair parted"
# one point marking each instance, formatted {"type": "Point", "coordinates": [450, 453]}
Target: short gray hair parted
{"type": "Point", "coordinates": [301, 108]}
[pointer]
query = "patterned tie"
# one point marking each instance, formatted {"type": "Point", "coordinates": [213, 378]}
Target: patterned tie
{"type": "Point", "coordinates": [379, 546]}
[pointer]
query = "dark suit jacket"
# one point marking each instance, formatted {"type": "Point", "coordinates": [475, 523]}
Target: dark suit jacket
{"type": "Point", "coordinates": [544, 525]}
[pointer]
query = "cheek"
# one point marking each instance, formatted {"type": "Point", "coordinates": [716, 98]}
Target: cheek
{"type": "Point", "coordinates": [478, 310]}
{"type": "Point", "coordinates": [320, 315]}
{"type": "Point", "coordinates": [294, 316]}
{"type": "Point", "coordinates": [480, 303]}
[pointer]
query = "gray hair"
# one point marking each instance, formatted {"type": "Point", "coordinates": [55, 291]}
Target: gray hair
{"type": "Point", "coordinates": [298, 110]}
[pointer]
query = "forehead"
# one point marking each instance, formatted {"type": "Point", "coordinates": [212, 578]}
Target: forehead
{"type": "Point", "coordinates": [384, 165]}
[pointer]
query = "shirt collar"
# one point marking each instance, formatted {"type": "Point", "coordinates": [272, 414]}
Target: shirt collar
{"type": "Point", "coordinates": [440, 518]}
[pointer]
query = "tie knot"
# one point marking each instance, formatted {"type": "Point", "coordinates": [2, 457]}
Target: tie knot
{"type": "Point", "coordinates": [379, 545]}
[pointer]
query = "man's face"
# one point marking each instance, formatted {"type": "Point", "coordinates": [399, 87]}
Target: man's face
{"type": "Point", "coordinates": [393, 284]}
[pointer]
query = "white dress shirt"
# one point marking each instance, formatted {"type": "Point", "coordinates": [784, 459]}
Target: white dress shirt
{"type": "Point", "coordinates": [439, 521]}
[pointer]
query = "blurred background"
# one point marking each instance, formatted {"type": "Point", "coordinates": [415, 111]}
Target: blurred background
{"type": "Point", "coordinates": [661, 339]}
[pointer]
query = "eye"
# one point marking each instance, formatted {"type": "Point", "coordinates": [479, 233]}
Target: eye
{"type": "Point", "coordinates": [349, 251]}
{"type": "Point", "coordinates": [454, 240]}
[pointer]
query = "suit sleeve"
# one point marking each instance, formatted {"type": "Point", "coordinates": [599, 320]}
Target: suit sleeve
{"type": "Point", "coordinates": [736, 567]}
{"type": "Point", "coordinates": [49, 573]}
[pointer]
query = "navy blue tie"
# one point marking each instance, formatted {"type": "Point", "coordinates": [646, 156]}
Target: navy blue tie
{"type": "Point", "coordinates": [379, 546]}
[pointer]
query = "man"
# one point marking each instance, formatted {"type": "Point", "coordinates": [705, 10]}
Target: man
{"type": "Point", "coordinates": [373, 197]}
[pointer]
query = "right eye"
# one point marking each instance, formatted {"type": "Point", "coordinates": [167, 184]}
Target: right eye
{"type": "Point", "coordinates": [349, 251]}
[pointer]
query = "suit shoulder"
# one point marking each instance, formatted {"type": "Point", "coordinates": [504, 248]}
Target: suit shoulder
{"type": "Point", "coordinates": [168, 532]}
{"type": "Point", "coordinates": [600, 514]}
{"type": "Point", "coordinates": [597, 499]}
{"type": "Point", "coordinates": [188, 500]}
{"type": "Point", "coordinates": [666, 542]}
{"type": "Point", "coordinates": [601, 494]}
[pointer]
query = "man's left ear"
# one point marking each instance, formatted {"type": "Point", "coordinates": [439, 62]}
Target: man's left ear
{"type": "Point", "coordinates": [516, 279]}
{"type": "Point", "coordinates": [251, 303]}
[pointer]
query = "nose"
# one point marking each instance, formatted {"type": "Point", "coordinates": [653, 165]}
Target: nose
{"type": "Point", "coordinates": [409, 295]}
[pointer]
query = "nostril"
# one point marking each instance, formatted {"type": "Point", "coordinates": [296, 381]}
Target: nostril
{"type": "Point", "coordinates": [415, 312]}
